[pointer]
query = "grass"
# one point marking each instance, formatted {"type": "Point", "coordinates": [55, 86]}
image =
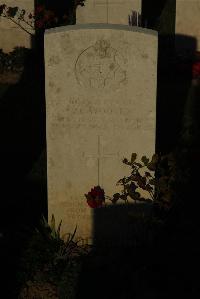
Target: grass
{"type": "Point", "coordinates": [133, 272]}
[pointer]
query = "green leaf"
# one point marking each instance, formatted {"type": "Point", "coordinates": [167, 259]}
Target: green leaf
{"type": "Point", "coordinates": [142, 182]}
{"type": "Point", "coordinates": [131, 188]}
{"type": "Point", "coordinates": [147, 174]}
{"type": "Point", "coordinates": [152, 182]}
{"type": "Point", "coordinates": [145, 160]}
{"type": "Point", "coordinates": [149, 188]}
{"type": "Point", "coordinates": [134, 177]}
{"type": "Point", "coordinates": [133, 157]}
{"type": "Point", "coordinates": [135, 195]}
{"type": "Point", "coordinates": [138, 164]}
{"type": "Point", "coordinates": [115, 198]}
{"type": "Point", "coordinates": [2, 7]}
{"type": "Point", "coordinates": [151, 166]}
{"type": "Point", "coordinates": [124, 196]}
{"type": "Point", "coordinates": [52, 223]}
{"type": "Point", "coordinates": [11, 12]}
{"type": "Point", "coordinates": [73, 235]}
{"type": "Point", "coordinates": [59, 227]}
{"type": "Point", "coordinates": [22, 14]}
{"type": "Point", "coordinates": [121, 181]}
{"type": "Point", "coordinates": [125, 161]}
{"type": "Point", "coordinates": [44, 222]}
{"type": "Point", "coordinates": [124, 181]}
{"type": "Point", "coordinates": [155, 158]}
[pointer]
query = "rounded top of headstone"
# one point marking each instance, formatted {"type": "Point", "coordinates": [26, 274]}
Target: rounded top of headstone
{"type": "Point", "coordinates": [101, 26]}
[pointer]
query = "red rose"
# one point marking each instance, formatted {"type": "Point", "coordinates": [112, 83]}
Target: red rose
{"type": "Point", "coordinates": [94, 204]}
{"type": "Point", "coordinates": [196, 70]}
{"type": "Point", "coordinates": [39, 24]}
{"type": "Point", "coordinates": [49, 15]}
{"type": "Point", "coordinates": [39, 9]}
{"type": "Point", "coordinates": [96, 197]}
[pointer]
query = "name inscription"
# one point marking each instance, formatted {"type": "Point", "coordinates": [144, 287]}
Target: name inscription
{"type": "Point", "coordinates": [88, 114]}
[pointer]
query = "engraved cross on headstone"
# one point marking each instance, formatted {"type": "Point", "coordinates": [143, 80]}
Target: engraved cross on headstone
{"type": "Point", "coordinates": [100, 156]}
{"type": "Point", "coordinates": [124, 12]}
{"type": "Point", "coordinates": [133, 19]}
{"type": "Point", "coordinates": [104, 3]}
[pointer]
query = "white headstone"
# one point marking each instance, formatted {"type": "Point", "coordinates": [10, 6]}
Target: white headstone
{"type": "Point", "coordinates": [101, 107]}
{"type": "Point", "coordinates": [188, 21]}
{"type": "Point", "coordinates": [107, 11]}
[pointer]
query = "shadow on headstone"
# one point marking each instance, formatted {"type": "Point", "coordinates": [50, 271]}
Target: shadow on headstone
{"type": "Point", "coordinates": [174, 255]}
{"type": "Point", "coordinates": [118, 227]}
{"type": "Point", "coordinates": [121, 239]}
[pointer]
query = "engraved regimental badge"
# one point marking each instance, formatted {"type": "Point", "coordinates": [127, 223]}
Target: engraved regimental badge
{"type": "Point", "coordinates": [100, 66]}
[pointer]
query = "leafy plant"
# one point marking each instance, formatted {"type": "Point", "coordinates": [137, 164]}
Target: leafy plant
{"type": "Point", "coordinates": [19, 17]}
{"type": "Point", "coordinates": [159, 177]}
{"type": "Point", "coordinates": [51, 259]}
{"type": "Point", "coordinates": [42, 18]}
{"type": "Point", "coordinates": [13, 61]}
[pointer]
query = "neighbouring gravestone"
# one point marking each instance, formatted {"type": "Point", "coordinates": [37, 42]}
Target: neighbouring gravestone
{"type": "Point", "coordinates": [100, 108]}
{"type": "Point", "coordinates": [187, 23]}
{"type": "Point", "coordinates": [11, 35]}
{"type": "Point", "coordinates": [123, 12]}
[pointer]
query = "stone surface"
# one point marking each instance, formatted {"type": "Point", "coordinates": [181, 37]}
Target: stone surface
{"type": "Point", "coordinates": [11, 35]}
{"type": "Point", "coordinates": [101, 107]}
{"type": "Point", "coordinates": [188, 21]}
{"type": "Point", "coordinates": [107, 11]}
